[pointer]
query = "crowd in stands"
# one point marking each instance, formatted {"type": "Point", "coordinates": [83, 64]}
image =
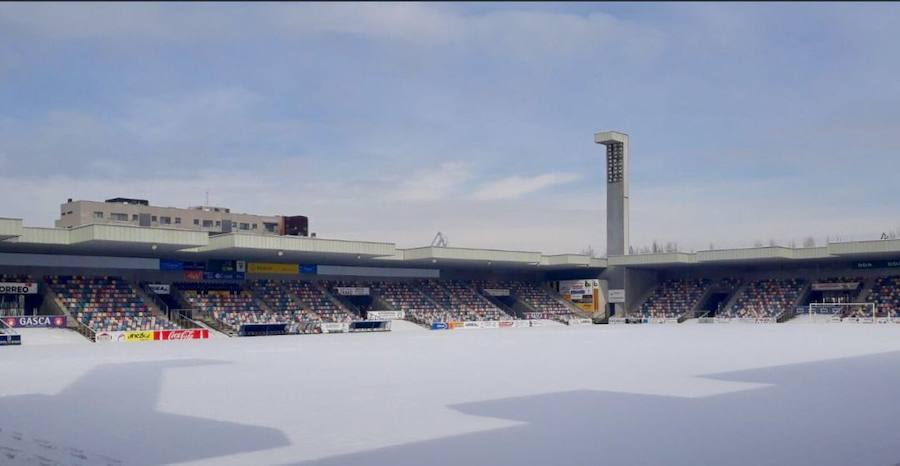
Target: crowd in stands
{"type": "Point", "coordinates": [886, 296]}
{"type": "Point", "coordinates": [766, 298]}
{"type": "Point", "coordinates": [106, 304]}
{"type": "Point", "coordinates": [674, 298]}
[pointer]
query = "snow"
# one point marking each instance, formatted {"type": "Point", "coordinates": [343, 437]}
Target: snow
{"type": "Point", "coordinates": [725, 394]}
{"type": "Point", "coordinates": [50, 336]}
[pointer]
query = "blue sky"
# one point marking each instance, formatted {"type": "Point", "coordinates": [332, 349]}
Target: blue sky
{"type": "Point", "coordinates": [390, 122]}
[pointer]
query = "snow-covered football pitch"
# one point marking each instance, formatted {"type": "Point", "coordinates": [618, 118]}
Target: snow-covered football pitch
{"type": "Point", "coordinates": [718, 394]}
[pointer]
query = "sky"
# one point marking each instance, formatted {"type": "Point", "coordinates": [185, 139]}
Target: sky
{"type": "Point", "coordinates": [390, 122]}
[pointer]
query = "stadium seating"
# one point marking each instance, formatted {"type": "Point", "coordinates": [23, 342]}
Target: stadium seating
{"type": "Point", "coordinates": [318, 302]}
{"type": "Point", "coordinates": [766, 298]}
{"type": "Point", "coordinates": [106, 304]}
{"type": "Point", "coordinates": [674, 298]}
{"type": "Point", "coordinates": [229, 305]}
{"type": "Point", "coordinates": [281, 297]}
{"type": "Point", "coordinates": [886, 296]}
{"type": "Point", "coordinates": [461, 301]}
{"type": "Point", "coordinates": [306, 301]}
{"type": "Point", "coordinates": [536, 297]}
{"type": "Point", "coordinates": [406, 297]}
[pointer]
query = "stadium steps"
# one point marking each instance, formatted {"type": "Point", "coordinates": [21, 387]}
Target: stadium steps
{"type": "Point", "coordinates": [53, 303]}
{"type": "Point", "coordinates": [503, 307]}
{"type": "Point", "coordinates": [340, 303]}
{"type": "Point", "coordinates": [643, 299]}
{"type": "Point", "coordinates": [151, 303]}
{"type": "Point", "coordinates": [429, 298]}
{"type": "Point", "coordinates": [256, 299]}
{"type": "Point", "coordinates": [868, 286]}
{"type": "Point", "coordinates": [696, 310]}
{"type": "Point", "coordinates": [733, 299]}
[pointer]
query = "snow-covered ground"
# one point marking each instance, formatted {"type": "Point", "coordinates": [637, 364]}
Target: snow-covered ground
{"type": "Point", "coordinates": [727, 394]}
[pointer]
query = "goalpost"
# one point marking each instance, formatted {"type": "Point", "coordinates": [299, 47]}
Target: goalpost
{"type": "Point", "coordinates": [845, 312]}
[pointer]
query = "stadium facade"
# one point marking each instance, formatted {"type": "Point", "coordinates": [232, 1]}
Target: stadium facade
{"type": "Point", "coordinates": [123, 266]}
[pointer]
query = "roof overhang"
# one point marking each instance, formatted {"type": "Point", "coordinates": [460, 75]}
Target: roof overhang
{"type": "Point", "coordinates": [134, 241]}
{"type": "Point", "coordinates": [774, 255]}
{"type": "Point", "coordinates": [10, 228]}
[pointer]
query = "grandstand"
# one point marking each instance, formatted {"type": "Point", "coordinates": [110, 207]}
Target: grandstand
{"type": "Point", "coordinates": [674, 299]}
{"type": "Point", "coordinates": [106, 304]}
{"type": "Point", "coordinates": [133, 276]}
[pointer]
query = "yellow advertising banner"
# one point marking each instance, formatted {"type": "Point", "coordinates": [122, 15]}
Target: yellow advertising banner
{"type": "Point", "coordinates": [147, 335]}
{"type": "Point", "coordinates": [269, 267]}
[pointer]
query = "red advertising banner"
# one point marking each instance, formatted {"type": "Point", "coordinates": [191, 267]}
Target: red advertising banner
{"type": "Point", "coordinates": [193, 275]}
{"type": "Point", "coordinates": [189, 334]}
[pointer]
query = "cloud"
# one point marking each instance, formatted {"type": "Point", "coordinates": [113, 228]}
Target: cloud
{"type": "Point", "coordinates": [432, 184]}
{"type": "Point", "coordinates": [517, 186]}
{"type": "Point", "coordinates": [521, 33]}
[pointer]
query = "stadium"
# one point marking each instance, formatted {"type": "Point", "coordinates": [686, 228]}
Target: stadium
{"type": "Point", "coordinates": [183, 335]}
{"type": "Point", "coordinates": [144, 328]}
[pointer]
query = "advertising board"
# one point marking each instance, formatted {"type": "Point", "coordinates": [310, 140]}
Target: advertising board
{"type": "Point", "coordinates": [335, 327]}
{"type": "Point", "coordinates": [36, 321]}
{"type": "Point", "coordinates": [160, 288]}
{"type": "Point", "coordinates": [385, 315]}
{"type": "Point", "coordinates": [18, 288]}
{"type": "Point", "coordinates": [583, 293]}
{"type": "Point", "coordinates": [151, 335]}
{"type": "Point", "coordinates": [616, 296]}
{"type": "Point", "coordinates": [273, 268]}
{"type": "Point", "coordinates": [353, 290]}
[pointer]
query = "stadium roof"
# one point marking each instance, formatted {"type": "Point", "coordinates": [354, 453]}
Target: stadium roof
{"type": "Point", "coordinates": [856, 250]}
{"type": "Point", "coordinates": [134, 241]}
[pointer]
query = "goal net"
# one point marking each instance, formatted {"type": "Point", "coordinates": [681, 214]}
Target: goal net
{"type": "Point", "coordinates": [843, 312]}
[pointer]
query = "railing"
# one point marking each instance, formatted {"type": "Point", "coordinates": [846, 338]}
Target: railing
{"type": "Point", "coordinates": [181, 319]}
{"type": "Point", "coordinates": [83, 329]}
{"type": "Point", "coordinates": [213, 323]}
{"type": "Point", "coordinates": [8, 336]}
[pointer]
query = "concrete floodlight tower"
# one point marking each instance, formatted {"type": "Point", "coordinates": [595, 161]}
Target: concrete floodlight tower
{"type": "Point", "coordinates": [616, 191]}
{"type": "Point", "coordinates": [616, 213]}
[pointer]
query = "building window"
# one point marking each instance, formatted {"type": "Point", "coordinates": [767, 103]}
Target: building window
{"type": "Point", "coordinates": [196, 221]}
{"type": "Point", "coordinates": [207, 224]}
{"type": "Point", "coordinates": [254, 226]}
{"type": "Point", "coordinates": [245, 226]}
{"type": "Point", "coordinates": [118, 217]}
{"type": "Point", "coordinates": [178, 220]}
{"type": "Point", "coordinates": [165, 220]}
{"type": "Point", "coordinates": [134, 218]}
{"type": "Point", "coordinates": [98, 215]}
{"type": "Point", "coordinates": [218, 223]}
{"type": "Point", "coordinates": [69, 212]}
{"type": "Point", "coordinates": [270, 227]}
{"type": "Point", "coordinates": [153, 218]}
